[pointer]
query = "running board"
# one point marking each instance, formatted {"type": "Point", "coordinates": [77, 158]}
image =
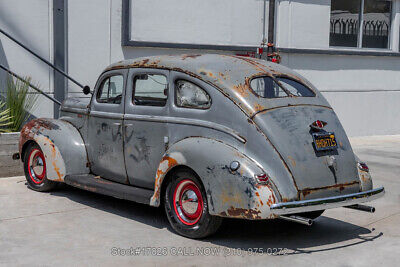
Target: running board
{"type": "Point", "coordinates": [96, 184]}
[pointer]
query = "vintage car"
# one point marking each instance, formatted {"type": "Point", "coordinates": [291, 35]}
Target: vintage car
{"type": "Point", "coordinates": [205, 136]}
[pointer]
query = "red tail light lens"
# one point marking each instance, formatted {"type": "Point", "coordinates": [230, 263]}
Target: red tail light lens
{"type": "Point", "coordinates": [262, 178]}
{"type": "Point", "coordinates": [363, 166]}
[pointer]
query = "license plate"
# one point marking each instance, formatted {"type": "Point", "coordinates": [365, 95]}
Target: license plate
{"type": "Point", "coordinates": [324, 141]}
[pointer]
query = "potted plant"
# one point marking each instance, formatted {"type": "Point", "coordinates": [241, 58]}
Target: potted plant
{"type": "Point", "coordinates": [15, 111]}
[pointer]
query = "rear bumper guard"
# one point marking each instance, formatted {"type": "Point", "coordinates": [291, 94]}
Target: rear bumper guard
{"type": "Point", "coordinates": [326, 203]}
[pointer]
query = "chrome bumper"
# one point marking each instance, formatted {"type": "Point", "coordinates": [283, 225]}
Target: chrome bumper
{"type": "Point", "coordinates": [326, 203]}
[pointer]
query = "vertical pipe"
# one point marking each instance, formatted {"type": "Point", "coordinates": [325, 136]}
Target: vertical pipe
{"type": "Point", "coordinates": [263, 40]}
{"type": "Point", "coordinates": [360, 29]}
{"type": "Point", "coordinates": [271, 22]}
{"type": "Point", "coordinates": [60, 50]}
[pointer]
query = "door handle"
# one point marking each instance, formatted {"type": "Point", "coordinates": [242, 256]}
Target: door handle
{"type": "Point", "coordinates": [117, 123]}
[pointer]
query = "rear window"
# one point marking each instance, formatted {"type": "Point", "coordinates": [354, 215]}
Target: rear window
{"type": "Point", "coordinates": [266, 87]}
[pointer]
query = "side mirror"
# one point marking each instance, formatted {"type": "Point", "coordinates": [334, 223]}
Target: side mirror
{"type": "Point", "coordinates": [86, 90]}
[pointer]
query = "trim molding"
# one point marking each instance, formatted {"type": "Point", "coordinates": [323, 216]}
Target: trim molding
{"type": "Point", "coordinates": [339, 52]}
{"type": "Point", "coordinates": [186, 121]}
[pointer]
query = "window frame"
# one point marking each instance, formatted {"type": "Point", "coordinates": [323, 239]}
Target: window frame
{"type": "Point", "coordinates": [176, 95]}
{"type": "Point", "coordinates": [134, 88]}
{"type": "Point", "coordinates": [361, 30]}
{"type": "Point", "coordinates": [275, 79]}
{"type": "Point", "coordinates": [100, 89]}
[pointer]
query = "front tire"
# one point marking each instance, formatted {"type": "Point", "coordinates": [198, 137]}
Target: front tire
{"type": "Point", "coordinates": [186, 206]}
{"type": "Point", "coordinates": [35, 169]}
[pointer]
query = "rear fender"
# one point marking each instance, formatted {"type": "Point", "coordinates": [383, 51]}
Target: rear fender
{"type": "Point", "coordinates": [62, 146]}
{"type": "Point", "coordinates": [229, 193]}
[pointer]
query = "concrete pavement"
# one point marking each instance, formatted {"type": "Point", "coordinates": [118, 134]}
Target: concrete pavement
{"type": "Point", "coordinates": [73, 227]}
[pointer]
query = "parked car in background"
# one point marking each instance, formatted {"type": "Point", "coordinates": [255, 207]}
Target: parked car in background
{"type": "Point", "coordinates": [204, 136]}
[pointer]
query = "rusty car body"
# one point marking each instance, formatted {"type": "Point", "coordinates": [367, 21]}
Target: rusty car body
{"type": "Point", "coordinates": [198, 119]}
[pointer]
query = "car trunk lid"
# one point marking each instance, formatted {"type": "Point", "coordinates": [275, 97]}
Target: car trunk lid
{"type": "Point", "coordinates": [315, 173]}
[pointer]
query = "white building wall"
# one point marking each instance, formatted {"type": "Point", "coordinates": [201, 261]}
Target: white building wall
{"type": "Point", "coordinates": [30, 22]}
{"type": "Point", "coordinates": [364, 90]}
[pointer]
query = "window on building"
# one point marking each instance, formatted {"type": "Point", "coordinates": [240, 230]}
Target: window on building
{"type": "Point", "coordinates": [150, 90]}
{"type": "Point", "coordinates": [360, 23]}
{"type": "Point", "coordinates": [189, 95]}
{"type": "Point", "coordinates": [111, 90]}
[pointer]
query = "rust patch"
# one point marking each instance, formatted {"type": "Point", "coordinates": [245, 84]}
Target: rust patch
{"type": "Point", "coordinates": [292, 161]}
{"type": "Point", "coordinates": [32, 127]}
{"type": "Point", "coordinates": [165, 165]}
{"type": "Point", "coordinates": [189, 56]}
{"type": "Point", "coordinates": [243, 213]}
{"type": "Point", "coordinates": [271, 200]}
{"type": "Point", "coordinates": [341, 187]}
{"type": "Point", "coordinates": [53, 156]}
{"type": "Point", "coordinates": [242, 89]}
{"type": "Point", "coordinates": [258, 107]}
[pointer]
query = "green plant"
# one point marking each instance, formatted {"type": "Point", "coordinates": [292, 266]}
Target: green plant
{"type": "Point", "coordinates": [4, 118]}
{"type": "Point", "coordinates": [20, 101]}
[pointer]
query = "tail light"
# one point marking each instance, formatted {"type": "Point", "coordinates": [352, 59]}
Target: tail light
{"type": "Point", "coordinates": [363, 166]}
{"type": "Point", "coordinates": [262, 178]}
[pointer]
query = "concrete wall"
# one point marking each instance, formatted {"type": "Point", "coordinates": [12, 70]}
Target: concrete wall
{"type": "Point", "coordinates": [364, 90]}
{"type": "Point", "coordinates": [9, 146]}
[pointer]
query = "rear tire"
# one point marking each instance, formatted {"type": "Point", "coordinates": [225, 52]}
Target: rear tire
{"type": "Point", "coordinates": [35, 169]}
{"type": "Point", "coordinates": [186, 206]}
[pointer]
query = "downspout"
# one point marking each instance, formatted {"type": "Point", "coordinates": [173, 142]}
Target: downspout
{"type": "Point", "coordinates": [271, 22]}
{"type": "Point", "coordinates": [272, 54]}
{"type": "Point", "coordinates": [264, 40]}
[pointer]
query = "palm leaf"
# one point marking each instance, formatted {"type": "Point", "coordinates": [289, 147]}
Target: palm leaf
{"type": "Point", "coordinates": [4, 118]}
{"type": "Point", "coordinates": [20, 100]}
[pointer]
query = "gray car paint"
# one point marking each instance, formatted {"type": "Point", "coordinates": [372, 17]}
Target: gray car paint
{"type": "Point", "coordinates": [257, 132]}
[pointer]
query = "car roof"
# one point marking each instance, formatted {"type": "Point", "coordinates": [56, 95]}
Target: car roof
{"type": "Point", "coordinates": [230, 74]}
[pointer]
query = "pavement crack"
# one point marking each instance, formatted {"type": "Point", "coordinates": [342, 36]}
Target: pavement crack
{"type": "Point", "coordinates": [381, 219]}
{"type": "Point", "coordinates": [41, 214]}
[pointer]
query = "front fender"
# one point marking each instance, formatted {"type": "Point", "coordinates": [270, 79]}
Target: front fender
{"type": "Point", "coordinates": [229, 194]}
{"type": "Point", "coordinates": [62, 146]}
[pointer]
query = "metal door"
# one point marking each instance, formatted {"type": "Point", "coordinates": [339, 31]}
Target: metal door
{"type": "Point", "coordinates": [146, 133]}
{"type": "Point", "coordinates": [105, 136]}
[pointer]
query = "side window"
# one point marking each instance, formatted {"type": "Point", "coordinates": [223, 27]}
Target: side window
{"type": "Point", "coordinates": [189, 95]}
{"type": "Point", "coordinates": [150, 90]}
{"type": "Point", "coordinates": [111, 90]}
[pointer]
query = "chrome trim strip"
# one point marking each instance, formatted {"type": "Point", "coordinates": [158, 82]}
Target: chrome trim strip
{"type": "Point", "coordinates": [195, 122]}
{"type": "Point", "coordinates": [326, 203]}
{"type": "Point", "coordinates": [107, 115]}
{"type": "Point", "coordinates": [75, 110]}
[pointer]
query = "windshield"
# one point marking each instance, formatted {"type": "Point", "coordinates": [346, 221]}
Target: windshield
{"type": "Point", "coordinates": [267, 87]}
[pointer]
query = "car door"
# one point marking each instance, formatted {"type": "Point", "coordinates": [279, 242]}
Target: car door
{"type": "Point", "coordinates": [105, 127]}
{"type": "Point", "coordinates": [146, 132]}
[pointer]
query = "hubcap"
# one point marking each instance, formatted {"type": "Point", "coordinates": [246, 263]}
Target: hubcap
{"type": "Point", "coordinates": [188, 202]}
{"type": "Point", "coordinates": [37, 166]}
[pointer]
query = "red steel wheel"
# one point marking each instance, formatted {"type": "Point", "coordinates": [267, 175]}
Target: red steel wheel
{"type": "Point", "coordinates": [188, 202]}
{"type": "Point", "coordinates": [36, 166]}
{"type": "Point", "coordinates": [186, 206]}
{"type": "Point", "coordinates": [36, 170]}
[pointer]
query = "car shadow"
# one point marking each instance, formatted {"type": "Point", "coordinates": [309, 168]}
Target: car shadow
{"type": "Point", "coordinates": [279, 237]}
{"type": "Point", "coordinates": [134, 211]}
{"type": "Point", "coordinates": [274, 237]}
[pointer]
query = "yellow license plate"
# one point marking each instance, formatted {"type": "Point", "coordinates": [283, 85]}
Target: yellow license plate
{"type": "Point", "coordinates": [324, 141]}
